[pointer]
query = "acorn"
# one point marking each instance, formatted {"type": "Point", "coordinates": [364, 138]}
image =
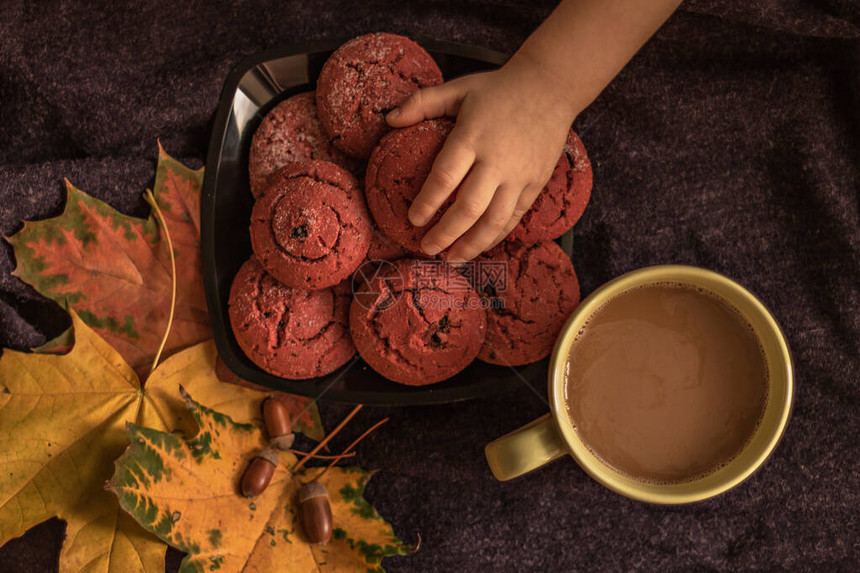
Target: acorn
{"type": "Point", "coordinates": [315, 512]}
{"type": "Point", "coordinates": [259, 473]}
{"type": "Point", "coordinates": [278, 424]}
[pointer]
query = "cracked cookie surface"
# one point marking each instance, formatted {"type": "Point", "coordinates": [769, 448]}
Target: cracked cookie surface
{"type": "Point", "coordinates": [418, 322]}
{"type": "Point", "coordinates": [395, 173]}
{"type": "Point", "coordinates": [530, 297]}
{"type": "Point", "coordinates": [384, 249]}
{"type": "Point", "coordinates": [562, 201]}
{"type": "Point", "coordinates": [293, 333]}
{"type": "Point", "coordinates": [363, 80]}
{"type": "Point", "coordinates": [290, 132]}
{"type": "Point", "coordinates": [310, 229]}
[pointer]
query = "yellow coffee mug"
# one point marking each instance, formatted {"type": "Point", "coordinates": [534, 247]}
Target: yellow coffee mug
{"type": "Point", "coordinates": [553, 435]}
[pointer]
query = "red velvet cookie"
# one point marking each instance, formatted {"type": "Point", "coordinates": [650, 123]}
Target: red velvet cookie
{"type": "Point", "coordinates": [363, 80]}
{"type": "Point", "coordinates": [291, 132]}
{"type": "Point", "coordinates": [395, 173]}
{"type": "Point", "coordinates": [562, 201]}
{"type": "Point", "coordinates": [316, 170]}
{"type": "Point", "coordinates": [293, 333]}
{"type": "Point", "coordinates": [418, 323]}
{"type": "Point", "coordinates": [531, 291]}
{"type": "Point", "coordinates": [310, 230]}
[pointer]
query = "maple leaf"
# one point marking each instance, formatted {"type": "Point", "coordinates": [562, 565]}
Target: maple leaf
{"type": "Point", "coordinates": [63, 424]}
{"type": "Point", "coordinates": [185, 490]}
{"type": "Point", "coordinates": [63, 421]}
{"type": "Point", "coordinates": [114, 270]}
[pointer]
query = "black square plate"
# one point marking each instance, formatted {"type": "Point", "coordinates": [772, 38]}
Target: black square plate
{"type": "Point", "coordinates": [255, 86]}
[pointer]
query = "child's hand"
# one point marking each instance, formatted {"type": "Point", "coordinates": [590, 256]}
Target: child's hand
{"type": "Point", "coordinates": [511, 126]}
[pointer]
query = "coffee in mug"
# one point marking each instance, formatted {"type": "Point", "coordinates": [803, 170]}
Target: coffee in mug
{"type": "Point", "coordinates": [665, 382]}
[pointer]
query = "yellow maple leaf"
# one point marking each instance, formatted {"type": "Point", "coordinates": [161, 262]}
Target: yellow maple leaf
{"type": "Point", "coordinates": [186, 492]}
{"type": "Point", "coordinates": [63, 420]}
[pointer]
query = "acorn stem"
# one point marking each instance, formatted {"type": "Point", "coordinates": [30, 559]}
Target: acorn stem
{"type": "Point", "coordinates": [325, 440]}
{"type": "Point", "coordinates": [323, 456]}
{"type": "Point", "coordinates": [347, 452]}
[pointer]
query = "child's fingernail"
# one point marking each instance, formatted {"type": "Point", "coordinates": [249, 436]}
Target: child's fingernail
{"type": "Point", "coordinates": [452, 257]}
{"type": "Point", "coordinates": [417, 219]}
{"type": "Point", "coordinates": [394, 113]}
{"type": "Point", "coordinates": [430, 248]}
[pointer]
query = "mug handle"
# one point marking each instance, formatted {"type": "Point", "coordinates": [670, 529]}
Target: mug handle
{"type": "Point", "coordinates": [525, 449]}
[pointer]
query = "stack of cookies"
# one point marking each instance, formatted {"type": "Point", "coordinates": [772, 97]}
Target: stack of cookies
{"type": "Point", "coordinates": [337, 266]}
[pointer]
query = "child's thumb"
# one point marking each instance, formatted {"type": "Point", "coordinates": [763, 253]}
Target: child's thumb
{"type": "Point", "coordinates": [424, 104]}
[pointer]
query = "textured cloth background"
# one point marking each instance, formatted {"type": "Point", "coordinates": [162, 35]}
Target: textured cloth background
{"type": "Point", "coordinates": [731, 141]}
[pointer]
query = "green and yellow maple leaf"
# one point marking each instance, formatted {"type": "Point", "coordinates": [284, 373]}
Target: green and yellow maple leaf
{"type": "Point", "coordinates": [185, 490]}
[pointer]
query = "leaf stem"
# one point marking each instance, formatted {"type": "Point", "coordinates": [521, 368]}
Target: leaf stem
{"type": "Point", "coordinates": [148, 196]}
{"type": "Point", "coordinates": [325, 440]}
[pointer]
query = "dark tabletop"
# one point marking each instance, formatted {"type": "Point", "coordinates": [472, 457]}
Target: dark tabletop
{"type": "Point", "coordinates": [731, 141]}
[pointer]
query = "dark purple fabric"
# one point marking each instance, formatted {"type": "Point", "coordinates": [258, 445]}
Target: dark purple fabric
{"type": "Point", "coordinates": [732, 141]}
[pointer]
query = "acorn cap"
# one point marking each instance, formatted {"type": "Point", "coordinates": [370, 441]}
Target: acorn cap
{"type": "Point", "coordinates": [311, 490]}
{"type": "Point", "coordinates": [284, 442]}
{"type": "Point", "coordinates": [269, 455]}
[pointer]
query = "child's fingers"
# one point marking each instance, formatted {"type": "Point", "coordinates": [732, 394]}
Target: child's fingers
{"type": "Point", "coordinates": [527, 198]}
{"type": "Point", "coordinates": [473, 197]}
{"type": "Point", "coordinates": [426, 103]}
{"type": "Point", "coordinates": [478, 238]}
{"type": "Point", "coordinates": [449, 168]}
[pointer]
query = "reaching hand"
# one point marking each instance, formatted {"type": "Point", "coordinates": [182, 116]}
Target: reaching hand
{"type": "Point", "coordinates": [511, 127]}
